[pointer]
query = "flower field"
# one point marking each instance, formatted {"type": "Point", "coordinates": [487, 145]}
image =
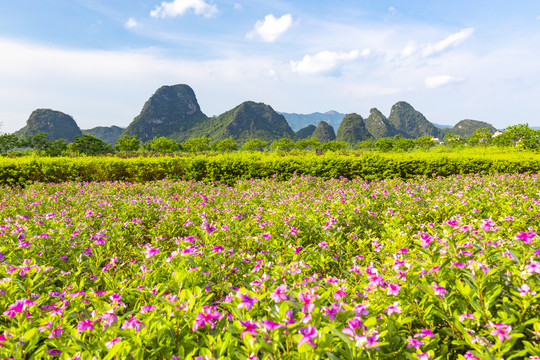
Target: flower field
{"type": "Point", "coordinates": [425, 268]}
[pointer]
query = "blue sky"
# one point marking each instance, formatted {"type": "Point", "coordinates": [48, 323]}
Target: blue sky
{"type": "Point", "coordinates": [100, 60]}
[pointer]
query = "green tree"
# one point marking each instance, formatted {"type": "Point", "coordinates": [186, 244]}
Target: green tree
{"type": "Point", "coordinates": [522, 136]}
{"type": "Point", "coordinates": [425, 142]}
{"type": "Point", "coordinates": [226, 145]}
{"type": "Point", "coordinates": [302, 144]}
{"type": "Point", "coordinates": [334, 145]}
{"type": "Point", "coordinates": [162, 145]}
{"type": "Point", "coordinates": [127, 144]}
{"type": "Point", "coordinates": [481, 137]}
{"type": "Point", "coordinates": [453, 141]}
{"type": "Point", "coordinates": [283, 144]}
{"type": "Point", "coordinates": [90, 145]}
{"type": "Point", "coordinates": [8, 142]}
{"type": "Point", "coordinates": [402, 143]}
{"type": "Point", "coordinates": [255, 145]}
{"type": "Point", "coordinates": [384, 144]}
{"type": "Point", "coordinates": [199, 144]}
{"type": "Point", "coordinates": [366, 145]}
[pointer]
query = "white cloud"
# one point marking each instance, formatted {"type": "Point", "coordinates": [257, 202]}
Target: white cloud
{"type": "Point", "coordinates": [238, 6]}
{"type": "Point", "coordinates": [409, 49]}
{"type": "Point", "coordinates": [538, 17]}
{"type": "Point", "coordinates": [131, 23]}
{"type": "Point", "coordinates": [440, 80]}
{"type": "Point", "coordinates": [451, 40]}
{"type": "Point", "coordinates": [325, 61]}
{"type": "Point", "coordinates": [392, 10]}
{"type": "Point", "coordinates": [180, 7]}
{"type": "Point", "coordinates": [271, 28]}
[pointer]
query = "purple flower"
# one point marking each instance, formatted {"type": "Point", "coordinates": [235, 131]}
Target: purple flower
{"type": "Point", "coordinates": [85, 325]}
{"type": "Point", "coordinates": [147, 308]}
{"type": "Point", "coordinates": [270, 325]}
{"type": "Point", "coordinates": [308, 334]}
{"type": "Point", "coordinates": [57, 332]}
{"type": "Point", "coordinates": [246, 302]}
{"type": "Point", "coordinates": [133, 323]}
{"type": "Point", "coordinates": [250, 327]}
{"type": "Point", "coordinates": [150, 251]}
{"type": "Point", "coordinates": [109, 318]}
{"type": "Point", "coordinates": [18, 307]}
{"type": "Point", "coordinates": [54, 352]}
{"type": "Point", "coordinates": [206, 317]}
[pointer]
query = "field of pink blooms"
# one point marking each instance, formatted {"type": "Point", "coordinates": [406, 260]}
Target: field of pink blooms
{"type": "Point", "coordinates": [428, 268]}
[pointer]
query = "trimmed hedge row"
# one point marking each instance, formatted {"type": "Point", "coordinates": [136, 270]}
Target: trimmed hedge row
{"type": "Point", "coordinates": [231, 167]}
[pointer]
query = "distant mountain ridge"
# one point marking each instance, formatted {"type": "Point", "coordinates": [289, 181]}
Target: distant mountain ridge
{"type": "Point", "coordinates": [173, 112]}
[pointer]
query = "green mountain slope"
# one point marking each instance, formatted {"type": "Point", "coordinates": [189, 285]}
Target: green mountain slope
{"type": "Point", "coordinates": [171, 110]}
{"type": "Point", "coordinates": [324, 132]}
{"type": "Point", "coordinates": [353, 129]}
{"type": "Point", "coordinates": [378, 125]}
{"type": "Point", "coordinates": [465, 128]}
{"type": "Point", "coordinates": [55, 124]}
{"type": "Point", "coordinates": [109, 134]}
{"type": "Point", "coordinates": [409, 122]}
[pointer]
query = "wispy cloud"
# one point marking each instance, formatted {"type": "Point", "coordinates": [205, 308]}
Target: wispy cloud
{"type": "Point", "coordinates": [325, 61]}
{"type": "Point", "coordinates": [180, 7]}
{"type": "Point", "coordinates": [131, 23]}
{"type": "Point", "coordinates": [392, 10]}
{"type": "Point", "coordinates": [441, 80]}
{"type": "Point", "coordinates": [271, 28]}
{"type": "Point", "coordinates": [409, 49]}
{"type": "Point", "coordinates": [449, 41]}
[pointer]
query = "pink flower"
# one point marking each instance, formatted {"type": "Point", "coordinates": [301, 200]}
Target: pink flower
{"type": "Point", "coordinates": [17, 307]}
{"type": "Point", "coordinates": [423, 356]}
{"type": "Point", "coordinates": [394, 308]}
{"type": "Point", "coordinates": [393, 289]}
{"type": "Point", "coordinates": [423, 333]}
{"type": "Point", "coordinates": [414, 343]}
{"type": "Point", "coordinates": [526, 236]}
{"type": "Point", "coordinates": [307, 298]}
{"type": "Point", "coordinates": [109, 318]}
{"type": "Point", "coordinates": [266, 235]}
{"type": "Point", "coordinates": [279, 294]}
{"type": "Point", "coordinates": [469, 356]}
{"type": "Point", "coordinates": [533, 267]}
{"type": "Point", "coordinates": [331, 311]}
{"type": "Point", "coordinates": [308, 334]}
{"type": "Point", "coordinates": [355, 329]}
{"type": "Point", "coordinates": [150, 251]}
{"type": "Point", "coordinates": [439, 290]}
{"type": "Point", "coordinates": [526, 289]}
{"type": "Point", "coordinates": [54, 352]}
{"type": "Point", "coordinates": [112, 342]}
{"type": "Point", "coordinates": [147, 308]}
{"type": "Point", "coordinates": [501, 331]}
{"type": "Point", "coordinates": [465, 316]}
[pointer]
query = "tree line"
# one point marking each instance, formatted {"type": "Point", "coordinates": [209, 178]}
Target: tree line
{"type": "Point", "coordinates": [521, 136]}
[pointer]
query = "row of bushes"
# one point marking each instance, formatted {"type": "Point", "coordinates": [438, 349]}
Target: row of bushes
{"type": "Point", "coordinates": [228, 168]}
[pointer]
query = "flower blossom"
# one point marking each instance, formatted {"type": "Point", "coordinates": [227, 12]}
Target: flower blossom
{"type": "Point", "coordinates": [308, 334]}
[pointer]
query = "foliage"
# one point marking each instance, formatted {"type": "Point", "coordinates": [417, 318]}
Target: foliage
{"type": "Point", "coordinates": [481, 136]}
{"type": "Point", "coordinates": [453, 140]}
{"type": "Point", "coordinates": [521, 136]}
{"type": "Point", "coordinates": [429, 268]}
{"type": "Point", "coordinates": [197, 145]}
{"type": "Point", "coordinates": [227, 145]}
{"type": "Point", "coordinates": [8, 142]}
{"type": "Point", "coordinates": [283, 144]}
{"type": "Point", "coordinates": [90, 145]}
{"type": "Point", "coordinates": [255, 145]}
{"type": "Point", "coordinates": [129, 144]}
{"type": "Point", "coordinates": [229, 168]}
{"type": "Point", "coordinates": [56, 124]}
{"type": "Point", "coordinates": [424, 142]}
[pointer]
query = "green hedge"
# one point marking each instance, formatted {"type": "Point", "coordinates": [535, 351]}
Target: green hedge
{"type": "Point", "coordinates": [231, 167]}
